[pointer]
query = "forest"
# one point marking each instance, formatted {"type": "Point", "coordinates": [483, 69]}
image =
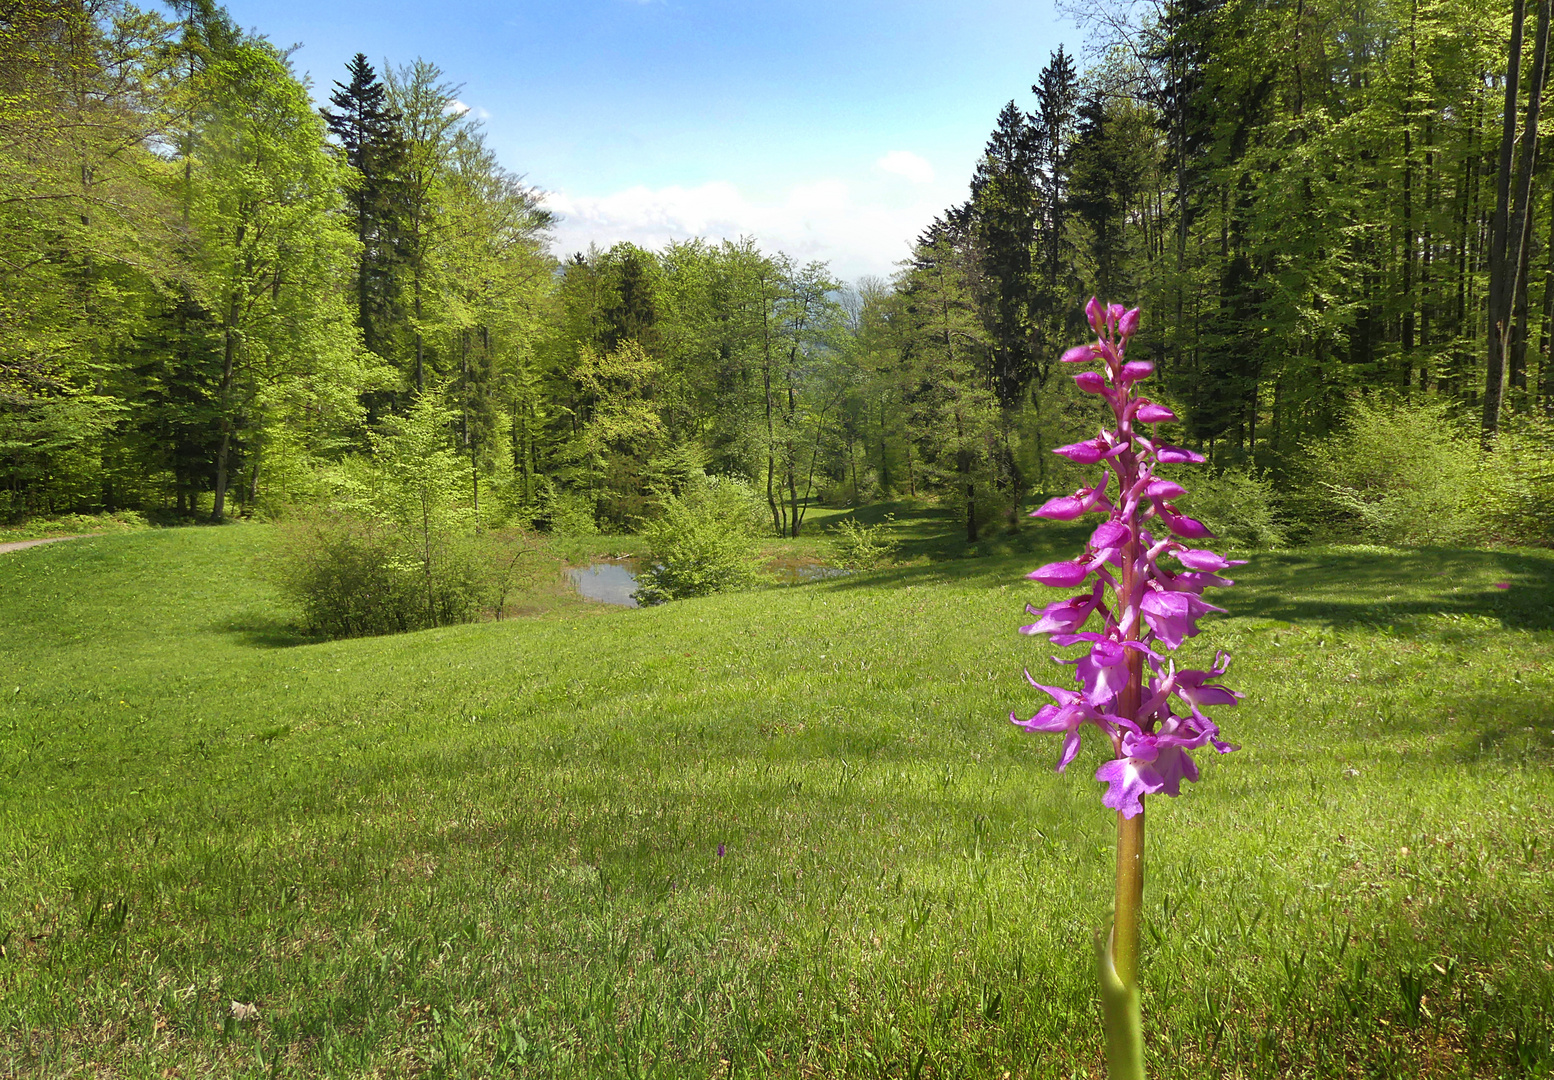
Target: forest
{"type": "Point", "coordinates": [218, 299]}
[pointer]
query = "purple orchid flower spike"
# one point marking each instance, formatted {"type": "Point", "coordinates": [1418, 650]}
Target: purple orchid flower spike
{"type": "Point", "coordinates": [1153, 722]}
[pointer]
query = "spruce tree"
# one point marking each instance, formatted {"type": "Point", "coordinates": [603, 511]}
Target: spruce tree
{"type": "Point", "coordinates": [1057, 94]}
{"type": "Point", "coordinates": [1003, 215]}
{"type": "Point", "coordinates": [370, 139]}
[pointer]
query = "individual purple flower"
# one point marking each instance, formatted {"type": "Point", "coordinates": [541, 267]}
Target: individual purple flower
{"type": "Point", "coordinates": [1091, 382]}
{"type": "Point", "coordinates": [1069, 507]}
{"type": "Point", "coordinates": [1186, 527]}
{"type": "Point", "coordinates": [1176, 455]}
{"type": "Point", "coordinates": [1103, 671]}
{"type": "Point", "coordinates": [1065, 616]}
{"type": "Point", "coordinates": [1090, 451]}
{"type": "Point", "coordinates": [1173, 616]}
{"type": "Point", "coordinates": [1060, 573]}
{"type": "Point", "coordinates": [1135, 371]}
{"type": "Point", "coordinates": [1068, 712]}
{"type": "Point", "coordinates": [1195, 559]}
{"type": "Point", "coordinates": [1150, 413]}
{"type": "Point", "coordinates": [1164, 489]}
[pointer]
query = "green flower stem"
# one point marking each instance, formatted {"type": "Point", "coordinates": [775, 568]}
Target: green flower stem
{"type": "Point", "coordinates": [1129, 897]}
{"type": "Point", "coordinates": [1119, 960]}
{"type": "Point", "coordinates": [1130, 831]}
{"type": "Point", "coordinates": [1120, 1005]}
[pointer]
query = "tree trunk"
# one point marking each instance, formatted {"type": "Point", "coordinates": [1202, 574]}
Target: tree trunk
{"type": "Point", "coordinates": [1545, 347]}
{"type": "Point", "coordinates": [253, 474]}
{"type": "Point", "coordinates": [229, 351]}
{"type": "Point", "coordinates": [1500, 267]}
{"type": "Point", "coordinates": [1407, 372]}
{"type": "Point", "coordinates": [1517, 361]}
{"type": "Point", "coordinates": [420, 343]}
{"type": "Point", "coordinates": [426, 554]}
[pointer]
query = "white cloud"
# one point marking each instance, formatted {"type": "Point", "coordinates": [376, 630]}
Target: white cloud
{"type": "Point", "coordinates": [823, 220]}
{"type": "Point", "coordinates": [455, 107]}
{"type": "Point", "coordinates": [907, 164]}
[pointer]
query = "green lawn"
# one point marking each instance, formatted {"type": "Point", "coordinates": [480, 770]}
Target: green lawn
{"type": "Point", "coordinates": [494, 849]}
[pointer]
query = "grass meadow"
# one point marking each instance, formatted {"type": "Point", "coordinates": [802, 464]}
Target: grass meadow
{"type": "Point", "coordinates": [494, 849]}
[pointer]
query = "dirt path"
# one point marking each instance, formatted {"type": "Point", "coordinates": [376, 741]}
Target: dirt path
{"type": "Point", "coordinates": [17, 545]}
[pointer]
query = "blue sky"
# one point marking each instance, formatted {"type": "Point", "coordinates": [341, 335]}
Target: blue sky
{"type": "Point", "coordinates": [830, 131]}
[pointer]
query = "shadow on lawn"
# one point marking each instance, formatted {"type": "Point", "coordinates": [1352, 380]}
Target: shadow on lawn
{"type": "Point", "coordinates": [1392, 588]}
{"type": "Point", "coordinates": [265, 632]}
{"type": "Point", "coordinates": [1333, 586]}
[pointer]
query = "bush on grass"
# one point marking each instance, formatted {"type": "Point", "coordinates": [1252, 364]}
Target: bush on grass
{"type": "Point", "coordinates": [857, 546]}
{"type": "Point", "coordinates": [1237, 504]}
{"type": "Point", "coordinates": [1518, 485]}
{"type": "Point", "coordinates": [398, 548]}
{"type": "Point", "coordinates": [1399, 473]}
{"type": "Point", "coordinates": [355, 576]}
{"type": "Point", "coordinates": [701, 543]}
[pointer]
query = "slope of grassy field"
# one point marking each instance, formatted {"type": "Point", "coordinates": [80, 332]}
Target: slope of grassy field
{"type": "Point", "coordinates": [784, 833]}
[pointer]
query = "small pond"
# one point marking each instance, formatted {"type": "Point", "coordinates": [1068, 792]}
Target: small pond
{"type": "Point", "coordinates": [786, 573]}
{"type": "Point", "coordinates": [607, 582]}
{"type": "Point", "coordinates": [614, 582]}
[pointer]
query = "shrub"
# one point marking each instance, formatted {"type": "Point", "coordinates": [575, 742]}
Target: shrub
{"type": "Point", "coordinates": [571, 513]}
{"type": "Point", "coordinates": [735, 499]}
{"type": "Point", "coordinates": [1398, 473]}
{"type": "Point", "coordinates": [701, 543]}
{"type": "Point", "coordinates": [1238, 505]}
{"type": "Point", "coordinates": [397, 550]}
{"type": "Point", "coordinates": [857, 546]}
{"type": "Point", "coordinates": [1519, 485]}
{"type": "Point", "coordinates": [354, 576]}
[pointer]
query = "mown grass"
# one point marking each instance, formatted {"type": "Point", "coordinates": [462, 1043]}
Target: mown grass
{"type": "Point", "coordinates": [494, 849]}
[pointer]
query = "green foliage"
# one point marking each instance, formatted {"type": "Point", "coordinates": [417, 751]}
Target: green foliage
{"type": "Point", "coordinates": [618, 431]}
{"type": "Point", "coordinates": [352, 576]}
{"type": "Point", "coordinates": [701, 543]}
{"type": "Point", "coordinates": [857, 546]}
{"type": "Point", "coordinates": [394, 550]}
{"type": "Point", "coordinates": [1518, 485]}
{"type": "Point", "coordinates": [1239, 505]}
{"type": "Point", "coordinates": [1397, 473]}
{"type": "Point", "coordinates": [570, 513]}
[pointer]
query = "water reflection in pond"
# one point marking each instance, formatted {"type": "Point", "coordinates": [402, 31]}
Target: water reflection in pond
{"type": "Point", "coordinates": [614, 582]}
{"type": "Point", "coordinates": [609, 583]}
{"type": "Point", "coordinates": [799, 573]}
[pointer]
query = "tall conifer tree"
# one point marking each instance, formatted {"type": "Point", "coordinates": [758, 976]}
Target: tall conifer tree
{"type": "Point", "coordinates": [370, 138]}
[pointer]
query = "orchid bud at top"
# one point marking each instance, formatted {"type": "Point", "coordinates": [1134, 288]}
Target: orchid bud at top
{"type": "Point", "coordinates": [1096, 314]}
{"type": "Point", "coordinates": [1128, 325]}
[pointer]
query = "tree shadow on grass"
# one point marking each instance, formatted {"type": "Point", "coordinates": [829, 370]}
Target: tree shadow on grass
{"type": "Point", "coordinates": [1337, 586]}
{"type": "Point", "coordinates": [1394, 588]}
{"type": "Point", "coordinates": [265, 632]}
